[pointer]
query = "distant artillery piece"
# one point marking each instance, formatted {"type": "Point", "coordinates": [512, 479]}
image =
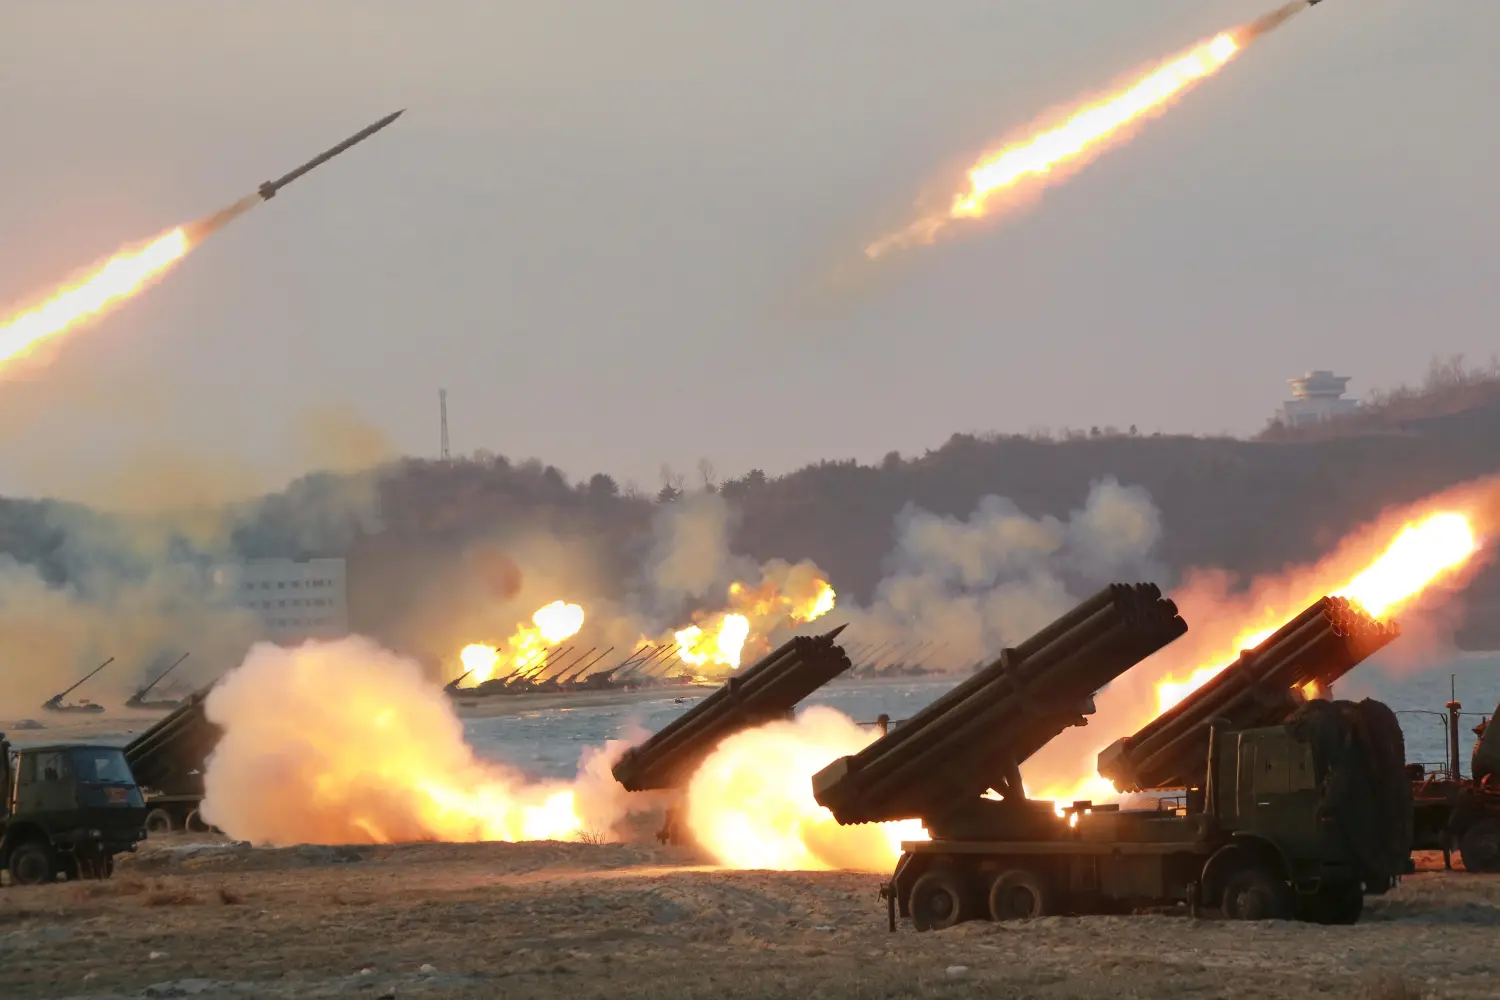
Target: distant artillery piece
{"type": "Point", "coordinates": [55, 703]}
{"type": "Point", "coordinates": [138, 700]}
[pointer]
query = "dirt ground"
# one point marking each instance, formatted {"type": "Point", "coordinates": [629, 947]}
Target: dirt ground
{"type": "Point", "coordinates": [204, 918]}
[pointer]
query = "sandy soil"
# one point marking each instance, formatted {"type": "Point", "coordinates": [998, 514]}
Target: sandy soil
{"type": "Point", "coordinates": [198, 918]}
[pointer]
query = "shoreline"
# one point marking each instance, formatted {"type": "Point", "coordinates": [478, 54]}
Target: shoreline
{"type": "Point", "coordinates": [118, 726]}
{"type": "Point", "coordinates": [496, 706]}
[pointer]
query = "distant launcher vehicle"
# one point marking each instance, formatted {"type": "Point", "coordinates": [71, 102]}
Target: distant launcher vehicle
{"type": "Point", "coordinates": [562, 671]}
{"type": "Point", "coordinates": [168, 761]}
{"type": "Point", "coordinates": [1301, 818]}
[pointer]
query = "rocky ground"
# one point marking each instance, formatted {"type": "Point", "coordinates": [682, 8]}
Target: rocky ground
{"type": "Point", "coordinates": [199, 918]}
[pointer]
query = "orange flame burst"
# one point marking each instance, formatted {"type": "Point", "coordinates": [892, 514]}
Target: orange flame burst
{"type": "Point", "coordinates": [750, 804]}
{"type": "Point", "coordinates": [122, 276]}
{"type": "Point", "coordinates": [800, 600]}
{"type": "Point", "coordinates": [550, 625]}
{"type": "Point", "coordinates": [1086, 130]}
{"type": "Point", "coordinates": [720, 644]}
{"type": "Point", "coordinates": [786, 593]}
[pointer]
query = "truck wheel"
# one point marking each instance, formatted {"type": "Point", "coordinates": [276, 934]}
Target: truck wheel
{"type": "Point", "coordinates": [1479, 847]}
{"type": "Point", "coordinates": [938, 900]}
{"type": "Point", "coordinates": [158, 821]}
{"type": "Point", "coordinates": [31, 864]}
{"type": "Point", "coordinates": [1252, 894]}
{"type": "Point", "coordinates": [195, 823]}
{"type": "Point", "coordinates": [1019, 895]}
{"type": "Point", "coordinates": [1335, 904]}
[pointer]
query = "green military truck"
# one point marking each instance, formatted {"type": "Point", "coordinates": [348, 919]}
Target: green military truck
{"type": "Point", "coordinates": [1298, 821]}
{"type": "Point", "coordinates": [66, 810]}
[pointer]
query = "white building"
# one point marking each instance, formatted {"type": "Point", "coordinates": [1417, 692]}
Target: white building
{"type": "Point", "coordinates": [294, 600]}
{"type": "Point", "coordinates": [1316, 396]}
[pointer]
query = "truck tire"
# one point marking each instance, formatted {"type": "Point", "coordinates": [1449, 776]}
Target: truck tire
{"type": "Point", "coordinates": [939, 900]}
{"type": "Point", "coordinates": [1019, 895]}
{"type": "Point", "coordinates": [1479, 846]}
{"type": "Point", "coordinates": [32, 864]}
{"type": "Point", "coordinates": [195, 823]}
{"type": "Point", "coordinates": [1254, 894]}
{"type": "Point", "coordinates": [158, 821]}
{"type": "Point", "coordinates": [1334, 905]}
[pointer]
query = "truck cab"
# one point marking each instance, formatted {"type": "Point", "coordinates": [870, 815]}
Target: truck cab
{"type": "Point", "coordinates": [66, 809]}
{"type": "Point", "coordinates": [1269, 791]}
{"type": "Point", "coordinates": [1310, 811]}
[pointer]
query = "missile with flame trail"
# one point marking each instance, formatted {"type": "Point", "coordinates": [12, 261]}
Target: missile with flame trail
{"type": "Point", "coordinates": [131, 270]}
{"type": "Point", "coordinates": [999, 180]}
{"type": "Point", "coordinates": [268, 190]}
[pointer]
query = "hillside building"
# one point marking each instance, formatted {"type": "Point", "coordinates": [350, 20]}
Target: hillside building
{"type": "Point", "coordinates": [1316, 397]}
{"type": "Point", "coordinates": [294, 600]}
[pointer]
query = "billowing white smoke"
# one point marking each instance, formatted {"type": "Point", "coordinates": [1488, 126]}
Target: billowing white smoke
{"type": "Point", "coordinates": [690, 557]}
{"type": "Point", "coordinates": [691, 576]}
{"type": "Point", "coordinates": [966, 589]}
{"type": "Point", "coordinates": [345, 742]}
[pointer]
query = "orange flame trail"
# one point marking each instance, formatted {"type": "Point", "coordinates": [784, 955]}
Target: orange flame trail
{"type": "Point", "coordinates": [1086, 130]}
{"type": "Point", "coordinates": [1382, 569]}
{"type": "Point", "coordinates": [124, 275]}
{"type": "Point", "coordinates": [1421, 553]}
{"type": "Point", "coordinates": [120, 278]}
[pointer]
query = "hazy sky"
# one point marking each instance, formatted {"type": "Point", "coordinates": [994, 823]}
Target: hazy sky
{"type": "Point", "coordinates": [593, 222]}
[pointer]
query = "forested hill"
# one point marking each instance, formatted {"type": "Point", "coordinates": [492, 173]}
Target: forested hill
{"type": "Point", "coordinates": [1247, 505]}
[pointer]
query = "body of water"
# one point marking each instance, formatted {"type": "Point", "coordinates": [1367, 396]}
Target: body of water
{"type": "Point", "coordinates": [548, 743]}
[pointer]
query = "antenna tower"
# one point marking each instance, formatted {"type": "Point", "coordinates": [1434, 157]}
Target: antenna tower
{"type": "Point", "coordinates": [443, 421]}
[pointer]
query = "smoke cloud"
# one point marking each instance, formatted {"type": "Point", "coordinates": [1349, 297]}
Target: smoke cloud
{"type": "Point", "coordinates": [345, 742]}
{"type": "Point", "coordinates": [686, 575]}
{"type": "Point", "coordinates": [690, 557]}
{"type": "Point", "coordinates": [133, 575]}
{"type": "Point", "coordinates": [51, 636]}
{"type": "Point", "coordinates": [969, 588]}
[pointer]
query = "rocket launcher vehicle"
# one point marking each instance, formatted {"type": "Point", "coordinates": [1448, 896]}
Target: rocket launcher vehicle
{"type": "Point", "coordinates": [765, 691]}
{"type": "Point", "coordinates": [170, 756]}
{"type": "Point", "coordinates": [1264, 687]}
{"type": "Point", "coordinates": [975, 737]}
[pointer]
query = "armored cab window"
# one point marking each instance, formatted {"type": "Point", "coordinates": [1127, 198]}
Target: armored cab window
{"type": "Point", "coordinates": [26, 773]}
{"type": "Point", "coordinates": [103, 766]}
{"type": "Point", "coordinates": [1301, 774]}
{"type": "Point", "coordinates": [1276, 767]}
{"type": "Point", "coordinates": [52, 766]}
